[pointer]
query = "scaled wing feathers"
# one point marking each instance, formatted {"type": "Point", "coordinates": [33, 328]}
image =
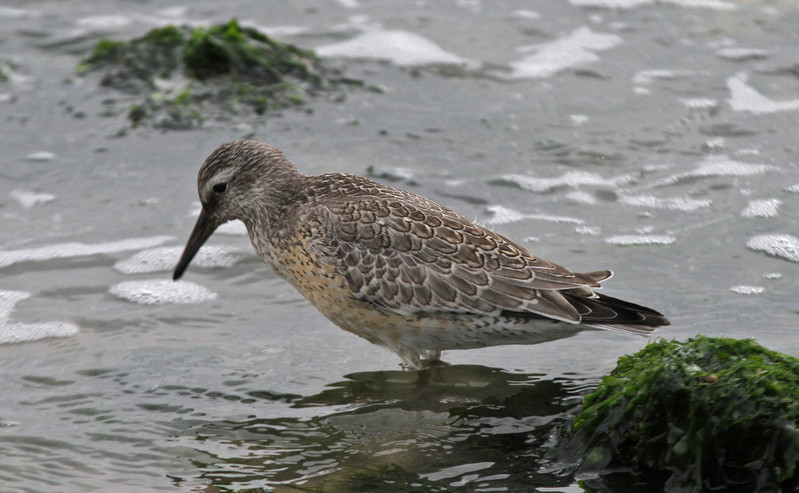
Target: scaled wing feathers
{"type": "Point", "coordinates": [395, 255]}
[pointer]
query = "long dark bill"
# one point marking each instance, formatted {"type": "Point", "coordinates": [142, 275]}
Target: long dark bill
{"type": "Point", "coordinates": [202, 230]}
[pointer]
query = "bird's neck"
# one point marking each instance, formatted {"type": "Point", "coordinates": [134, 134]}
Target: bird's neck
{"type": "Point", "coordinates": [273, 214]}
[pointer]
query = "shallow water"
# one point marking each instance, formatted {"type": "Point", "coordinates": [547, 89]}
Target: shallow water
{"type": "Point", "coordinates": [656, 139]}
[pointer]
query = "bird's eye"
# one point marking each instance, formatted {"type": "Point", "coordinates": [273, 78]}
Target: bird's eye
{"type": "Point", "coordinates": [220, 187]}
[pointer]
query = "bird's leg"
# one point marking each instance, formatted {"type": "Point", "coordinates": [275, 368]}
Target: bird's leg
{"type": "Point", "coordinates": [410, 358]}
{"type": "Point", "coordinates": [433, 355]}
{"type": "Point", "coordinates": [433, 358]}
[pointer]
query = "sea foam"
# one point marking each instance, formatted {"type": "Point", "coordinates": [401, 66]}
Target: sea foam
{"type": "Point", "coordinates": [70, 250]}
{"type": "Point", "coordinates": [14, 332]}
{"type": "Point", "coordinates": [572, 50]}
{"type": "Point", "coordinates": [162, 291]}
{"type": "Point", "coordinates": [399, 47]}
{"type": "Point", "coordinates": [784, 246]}
{"type": "Point", "coordinates": [762, 208]}
{"type": "Point", "coordinates": [744, 97]}
{"type": "Point", "coordinates": [637, 240]}
{"type": "Point", "coordinates": [164, 259]}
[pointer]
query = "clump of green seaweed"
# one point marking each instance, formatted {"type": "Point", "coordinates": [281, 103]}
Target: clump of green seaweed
{"type": "Point", "coordinates": [189, 75]}
{"type": "Point", "coordinates": [711, 414]}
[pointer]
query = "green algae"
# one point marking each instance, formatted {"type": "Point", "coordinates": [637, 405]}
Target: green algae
{"type": "Point", "coordinates": [713, 413]}
{"type": "Point", "coordinates": [133, 66]}
{"type": "Point", "coordinates": [247, 53]}
{"type": "Point", "coordinates": [190, 75]}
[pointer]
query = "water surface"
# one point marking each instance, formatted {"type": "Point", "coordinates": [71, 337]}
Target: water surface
{"type": "Point", "coordinates": [657, 139]}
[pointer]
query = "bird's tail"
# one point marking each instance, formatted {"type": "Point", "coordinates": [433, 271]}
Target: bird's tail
{"type": "Point", "coordinates": [605, 312]}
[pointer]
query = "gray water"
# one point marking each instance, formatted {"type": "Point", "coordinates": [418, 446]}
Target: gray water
{"type": "Point", "coordinates": [657, 139]}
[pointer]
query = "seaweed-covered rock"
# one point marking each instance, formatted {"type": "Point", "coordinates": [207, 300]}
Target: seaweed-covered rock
{"type": "Point", "coordinates": [714, 414]}
{"type": "Point", "coordinates": [190, 75]}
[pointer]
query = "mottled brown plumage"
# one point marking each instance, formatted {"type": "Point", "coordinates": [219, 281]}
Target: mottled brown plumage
{"type": "Point", "coordinates": [395, 268]}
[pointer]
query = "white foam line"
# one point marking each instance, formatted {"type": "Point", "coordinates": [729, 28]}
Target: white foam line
{"type": "Point", "coordinates": [646, 77]}
{"type": "Point", "coordinates": [70, 250]}
{"type": "Point", "coordinates": [28, 198]}
{"type": "Point", "coordinates": [400, 47]}
{"type": "Point", "coordinates": [685, 204]}
{"type": "Point", "coordinates": [18, 332]}
{"type": "Point", "coordinates": [744, 97]}
{"type": "Point", "coordinates": [7, 301]}
{"type": "Point", "coordinates": [164, 259]}
{"type": "Point", "coordinates": [104, 22]}
{"type": "Point", "coordinates": [762, 208]}
{"type": "Point", "coordinates": [738, 54]}
{"type": "Point", "coordinates": [505, 215]}
{"type": "Point", "coordinates": [635, 240]}
{"type": "Point", "coordinates": [747, 290]}
{"type": "Point", "coordinates": [15, 13]}
{"type": "Point", "coordinates": [777, 245]}
{"type": "Point", "coordinates": [574, 179]}
{"type": "Point", "coordinates": [161, 291]}
{"type": "Point", "coordinates": [629, 4]}
{"type": "Point", "coordinates": [572, 50]}
{"type": "Point", "coordinates": [713, 166]}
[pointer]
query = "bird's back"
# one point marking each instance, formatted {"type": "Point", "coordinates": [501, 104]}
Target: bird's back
{"type": "Point", "coordinates": [410, 255]}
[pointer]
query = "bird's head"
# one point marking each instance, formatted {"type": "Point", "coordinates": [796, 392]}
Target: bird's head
{"type": "Point", "coordinates": [242, 180]}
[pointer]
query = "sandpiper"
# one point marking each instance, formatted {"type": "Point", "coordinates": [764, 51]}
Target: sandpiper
{"type": "Point", "coordinates": [395, 268]}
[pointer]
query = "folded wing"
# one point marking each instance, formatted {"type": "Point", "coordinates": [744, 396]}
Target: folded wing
{"type": "Point", "coordinates": [404, 259]}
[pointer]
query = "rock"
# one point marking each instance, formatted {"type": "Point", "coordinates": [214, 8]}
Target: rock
{"type": "Point", "coordinates": [708, 414]}
{"type": "Point", "coordinates": [188, 76]}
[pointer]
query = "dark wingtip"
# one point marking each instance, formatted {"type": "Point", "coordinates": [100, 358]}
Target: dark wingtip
{"type": "Point", "coordinates": [612, 313]}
